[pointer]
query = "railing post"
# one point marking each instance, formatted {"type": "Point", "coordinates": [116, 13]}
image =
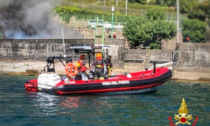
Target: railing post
{"type": "Point", "coordinates": [154, 69]}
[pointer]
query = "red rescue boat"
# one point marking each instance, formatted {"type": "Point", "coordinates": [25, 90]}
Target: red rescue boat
{"type": "Point", "coordinates": [139, 82]}
{"type": "Point", "coordinates": [136, 82]}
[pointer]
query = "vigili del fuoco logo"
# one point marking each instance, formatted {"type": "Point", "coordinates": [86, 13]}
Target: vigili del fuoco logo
{"type": "Point", "coordinates": [182, 117]}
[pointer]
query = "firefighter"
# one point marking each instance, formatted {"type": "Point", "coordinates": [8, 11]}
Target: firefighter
{"type": "Point", "coordinates": [98, 64]}
{"type": "Point", "coordinates": [82, 66]}
{"type": "Point", "coordinates": [114, 35]}
{"type": "Point", "coordinates": [109, 65]}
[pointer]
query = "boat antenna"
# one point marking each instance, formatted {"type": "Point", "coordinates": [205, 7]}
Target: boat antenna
{"type": "Point", "coordinates": [64, 49]}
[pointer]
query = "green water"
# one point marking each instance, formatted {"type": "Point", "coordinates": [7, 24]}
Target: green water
{"type": "Point", "coordinates": [19, 107]}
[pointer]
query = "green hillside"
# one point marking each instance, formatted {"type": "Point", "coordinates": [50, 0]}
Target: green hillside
{"type": "Point", "coordinates": [122, 3]}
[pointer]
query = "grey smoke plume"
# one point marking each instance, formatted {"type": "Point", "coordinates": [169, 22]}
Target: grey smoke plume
{"type": "Point", "coordinates": [25, 19]}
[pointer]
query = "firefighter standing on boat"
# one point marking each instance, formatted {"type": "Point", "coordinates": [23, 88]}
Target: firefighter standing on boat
{"type": "Point", "coordinates": [99, 66]}
{"type": "Point", "coordinates": [109, 65]}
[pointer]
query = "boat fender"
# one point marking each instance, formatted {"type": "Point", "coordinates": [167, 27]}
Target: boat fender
{"type": "Point", "coordinates": [129, 76]}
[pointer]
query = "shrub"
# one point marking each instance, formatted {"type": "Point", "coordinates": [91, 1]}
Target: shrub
{"type": "Point", "coordinates": [208, 36]}
{"type": "Point", "coordinates": [143, 30]}
{"type": "Point", "coordinates": [195, 30]}
{"type": "Point", "coordinates": [153, 14]}
{"type": "Point", "coordinates": [83, 14]}
{"type": "Point", "coordinates": [133, 31]}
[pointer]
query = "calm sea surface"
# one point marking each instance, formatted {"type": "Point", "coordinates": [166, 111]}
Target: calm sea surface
{"type": "Point", "coordinates": [19, 107]}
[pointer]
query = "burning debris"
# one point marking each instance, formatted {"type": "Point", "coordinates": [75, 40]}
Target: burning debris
{"type": "Point", "coordinates": [30, 19]}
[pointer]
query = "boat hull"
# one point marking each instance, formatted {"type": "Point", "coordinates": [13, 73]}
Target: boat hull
{"type": "Point", "coordinates": [136, 86]}
{"type": "Point", "coordinates": [116, 85]}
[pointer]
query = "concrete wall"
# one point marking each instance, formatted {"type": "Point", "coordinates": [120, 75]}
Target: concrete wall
{"type": "Point", "coordinates": [155, 55]}
{"type": "Point", "coordinates": [193, 55]}
{"type": "Point", "coordinates": [35, 49]}
{"type": "Point", "coordinates": [192, 61]}
{"type": "Point", "coordinates": [1, 33]}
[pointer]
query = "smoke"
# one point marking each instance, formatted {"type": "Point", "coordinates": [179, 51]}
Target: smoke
{"type": "Point", "coordinates": [30, 19]}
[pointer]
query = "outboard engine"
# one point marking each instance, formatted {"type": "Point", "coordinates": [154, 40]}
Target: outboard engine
{"type": "Point", "coordinates": [48, 81]}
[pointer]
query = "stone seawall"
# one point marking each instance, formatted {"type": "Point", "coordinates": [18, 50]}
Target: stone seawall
{"type": "Point", "coordinates": [40, 49]}
{"type": "Point", "coordinates": [24, 49]}
{"type": "Point", "coordinates": [193, 55]}
{"type": "Point", "coordinates": [154, 55]}
{"type": "Point", "coordinates": [192, 61]}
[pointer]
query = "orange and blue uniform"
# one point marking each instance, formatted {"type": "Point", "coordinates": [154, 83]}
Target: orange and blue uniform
{"type": "Point", "coordinates": [81, 64]}
{"type": "Point", "coordinates": [98, 64]}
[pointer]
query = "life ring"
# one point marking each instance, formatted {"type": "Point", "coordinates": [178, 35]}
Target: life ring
{"type": "Point", "coordinates": [71, 70]}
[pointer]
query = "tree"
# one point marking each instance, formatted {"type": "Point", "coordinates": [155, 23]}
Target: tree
{"type": "Point", "coordinates": [166, 2]}
{"type": "Point", "coordinates": [187, 5]}
{"type": "Point", "coordinates": [149, 29]}
{"type": "Point", "coordinates": [195, 9]}
{"type": "Point", "coordinates": [155, 15]}
{"type": "Point", "coordinates": [208, 36]}
{"type": "Point", "coordinates": [201, 11]}
{"type": "Point", "coordinates": [195, 30]}
{"type": "Point", "coordinates": [155, 2]}
{"type": "Point", "coordinates": [161, 30]}
{"type": "Point", "coordinates": [141, 1]}
{"type": "Point", "coordinates": [133, 30]}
